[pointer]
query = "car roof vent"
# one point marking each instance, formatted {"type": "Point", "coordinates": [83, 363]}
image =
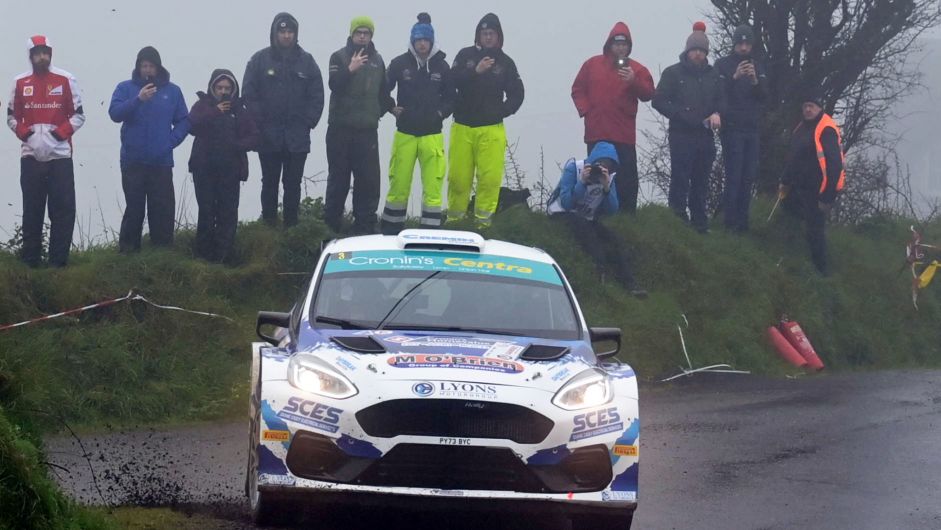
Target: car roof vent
{"type": "Point", "coordinates": [543, 352]}
{"type": "Point", "coordinates": [441, 240]}
{"type": "Point", "coordinates": [360, 344]}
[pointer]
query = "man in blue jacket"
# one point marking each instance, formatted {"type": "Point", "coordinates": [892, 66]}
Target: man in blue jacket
{"type": "Point", "coordinates": [585, 193]}
{"type": "Point", "coordinates": [154, 121]}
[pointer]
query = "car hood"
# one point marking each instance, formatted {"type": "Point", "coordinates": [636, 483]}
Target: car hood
{"type": "Point", "coordinates": [418, 356]}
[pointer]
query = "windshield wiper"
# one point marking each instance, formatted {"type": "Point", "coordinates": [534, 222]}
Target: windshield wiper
{"type": "Point", "coordinates": [400, 303]}
{"type": "Point", "coordinates": [458, 329]}
{"type": "Point", "coordinates": [344, 324]}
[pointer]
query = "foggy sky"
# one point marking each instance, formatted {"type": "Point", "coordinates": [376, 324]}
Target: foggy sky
{"type": "Point", "coordinates": [98, 40]}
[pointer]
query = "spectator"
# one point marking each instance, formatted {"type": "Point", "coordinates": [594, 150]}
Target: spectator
{"type": "Point", "coordinates": [359, 97]}
{"type": "Point", "coordinates": [153, 115]}
{"type": "Point", "coordinates": [815, 171]}
{"type": "Point", "coordinates": [44, 112]}
{"type": "Point", "coordinates": [690, 96]}
{"type": "Point", "coordinates": [746, 90]}
{"type": "Point", "coordinates": [225, 130]}
{"type": "Point", "coordinates": [606, 92]}
{"type": "Point", "coordinates": [586, 192]}
{"type": "Point", "coordinates": [483, 75]}
{"type": "Point", "coordinates": [283, 87]}
{"type": "Point", "coordinates": [425, 99]}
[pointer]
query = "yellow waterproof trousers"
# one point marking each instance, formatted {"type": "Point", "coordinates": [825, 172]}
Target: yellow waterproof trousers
{"type": "Point", "coordinates": [480, 151]}
{"type": "Point", "coordinates": [429, 152]}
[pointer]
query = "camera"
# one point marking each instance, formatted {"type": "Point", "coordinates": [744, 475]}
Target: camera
{"type": "Point", "coordinates": [596, 174]}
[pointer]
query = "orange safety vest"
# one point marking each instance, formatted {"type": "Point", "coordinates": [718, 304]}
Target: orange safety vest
{"type": "Point", "coordinates": [827, 121]}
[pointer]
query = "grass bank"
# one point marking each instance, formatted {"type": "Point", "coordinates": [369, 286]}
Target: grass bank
{"type": "Point", "coordinates": [132, 364]}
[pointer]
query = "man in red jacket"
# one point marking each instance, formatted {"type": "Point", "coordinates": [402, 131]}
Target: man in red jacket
{"type": "Point", "coordinates": [44, 112]}
{"type": "Point", "coordinates": [606, 91]}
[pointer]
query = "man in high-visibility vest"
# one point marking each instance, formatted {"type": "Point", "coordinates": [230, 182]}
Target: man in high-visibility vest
{"type": "Point", "coordinates": [815, 171]}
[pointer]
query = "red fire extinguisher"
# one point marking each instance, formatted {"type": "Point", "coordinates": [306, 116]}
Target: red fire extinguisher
{"type": "Point", "coordinates": [795, 342]}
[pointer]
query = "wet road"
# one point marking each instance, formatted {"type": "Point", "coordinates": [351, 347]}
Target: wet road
{"type": "Point", "coordinates": [857, 451]}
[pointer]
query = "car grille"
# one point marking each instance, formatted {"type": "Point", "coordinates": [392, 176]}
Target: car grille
{"type": "Point", "coordinates": [447, 467]}
{"type": "Point", "coordinates": [454, 418]}
{"type": "Point", "coordinates": [317, 457]}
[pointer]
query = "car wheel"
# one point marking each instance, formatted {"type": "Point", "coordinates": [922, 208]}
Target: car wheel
{"type": "Point", "coordinates": [266, 510]}
{"type": "Point", "coordinates": [607, 520]}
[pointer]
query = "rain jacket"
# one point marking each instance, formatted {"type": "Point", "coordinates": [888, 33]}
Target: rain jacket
{"type": "Point", "coordinates": [744, 101]}
{"type": "Point", "coordinates": [222, 139]}
{"type": "Point", "coordinates": [284, 89]}
{"type": "Point", "coordinates": [426, 92]}
{"type": "Point", "coordinates": [608, 104]}
{"type": "Point", "coordinates": [480, 97]}
{"type": "Point", "coordinates": [358, 99]}
{"type": "Point", "coordinates": [572, 195]}
{"type": "Point", "coordinates": [151, 129]}
{"type": "Point", "coordinates": [688, 94]}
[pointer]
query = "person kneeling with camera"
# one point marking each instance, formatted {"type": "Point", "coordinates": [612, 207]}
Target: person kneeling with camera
{"type": "Point", "coordinates": [585, 193]}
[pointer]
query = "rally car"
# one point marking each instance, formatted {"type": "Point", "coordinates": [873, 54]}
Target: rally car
{"type": "Point", "coordinates": [440, 368]}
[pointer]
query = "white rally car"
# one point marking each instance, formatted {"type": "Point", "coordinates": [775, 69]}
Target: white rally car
{"type": "Point", "coordinates": [443, 369]}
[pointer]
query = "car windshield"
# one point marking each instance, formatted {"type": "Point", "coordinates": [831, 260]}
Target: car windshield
{"type": "Point", "coordinates": [441, 291]}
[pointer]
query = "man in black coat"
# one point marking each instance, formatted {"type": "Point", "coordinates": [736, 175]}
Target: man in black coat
{"type": "Point", "coordinates": [284, 88]}
{"type": "Point", "coordinates": [746, 90]}
{"type": "Point", "coordinates": [425, 100]}
{"type": "Point", "coordinates": [690, 96]}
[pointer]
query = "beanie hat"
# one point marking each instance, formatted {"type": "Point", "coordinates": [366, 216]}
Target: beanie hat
{"type": "Point", "coordinates": [423, 29]}
{"type": "Point", "coordinates": [697, 40]}
{"type": "Point", "coordinates": [490, 21]}
{"type": "Point", "coordinates": [743, 33]}
{"type": "Point", "coordinates": [38, 41]}
{"type": "Point", "coordinates": [362, 22]}
{"type": "Point", "coordinates": [286, 22]}
{"type": "Point", "coordinates": [813, 96]}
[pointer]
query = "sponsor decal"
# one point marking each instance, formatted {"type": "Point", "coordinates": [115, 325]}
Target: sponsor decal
{"type": "Point", "coordinates": [446, 342]}
{"type": "Point", "coordinates": [448, 493]}
{"type": "Point", "coordinates": [625, 450]}
{"type": "Point", "coordinates": [596, 423]}
{"type": "Point", "coordinates": [423, 389]}
{"type": "Point", "coordinates": [277, 480]}
{"type": "Point", "coordinates": [465, 362]}
{"type": "Point", "coordinates": [40, 106]}
{"type": "Point", "coordinates": [316, 415]}
{"type": "Point", "coordinates": [275, 436]}
{"type": "Point", "coordinates": [380, 260]}
{"type": "Point", "coordinates": [455, 389]}
{"type": "Point", "coordinates": [619, 495]}
{"type": "Point", "coordinates": [346, 364]}
{"type": "Point", "coordinates": [27, 91]}
{"type": "Point", "coordinates": [504, 350]}
{"type": "Point", "coordinates": [561, 374]}
{"type": "Point", "coordinates": [54, 90]}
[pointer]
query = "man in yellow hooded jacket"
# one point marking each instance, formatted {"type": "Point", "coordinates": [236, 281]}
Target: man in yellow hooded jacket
{"type": "Point", "coordinates": [489, 89]}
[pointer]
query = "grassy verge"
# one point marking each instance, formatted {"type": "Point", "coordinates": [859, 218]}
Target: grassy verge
{"type": "Point", "coordinates": [132, 364]}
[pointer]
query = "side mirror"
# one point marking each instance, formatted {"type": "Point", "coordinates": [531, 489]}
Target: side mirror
{"type": "Point", "coordinates": [272, 318]}
{"type": "Point", "coordinates": [605, 335]}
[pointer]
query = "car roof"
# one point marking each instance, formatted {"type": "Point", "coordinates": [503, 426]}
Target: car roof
{"type": "Point", "coordinates": [433, 240]}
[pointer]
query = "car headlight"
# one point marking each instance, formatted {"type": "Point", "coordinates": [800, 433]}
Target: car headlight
{"type": "Point", "coordinates": [588, 389]}
{"type": "Point", "coordinates": [311, 374]}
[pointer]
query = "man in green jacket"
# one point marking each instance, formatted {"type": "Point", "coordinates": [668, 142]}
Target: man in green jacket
{"type": "Point", "coordinates": [359, 97]}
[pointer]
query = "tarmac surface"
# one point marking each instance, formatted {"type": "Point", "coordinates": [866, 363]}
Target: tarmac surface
{"type": "Point", "coordinates": [852, 451]}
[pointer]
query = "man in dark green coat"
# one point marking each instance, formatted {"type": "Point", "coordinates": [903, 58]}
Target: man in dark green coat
{"type": "Point", "coordinates": [359, 97]}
